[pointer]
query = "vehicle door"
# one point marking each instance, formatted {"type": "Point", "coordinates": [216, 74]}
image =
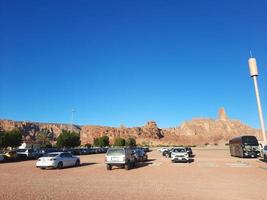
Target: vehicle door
{"type": "Point", "coordinates": [71, 159]}
{"type": "Point", "coordinates": [64, 158]}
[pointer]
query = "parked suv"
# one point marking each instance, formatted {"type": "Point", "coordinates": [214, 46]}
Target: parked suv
{"type": "Point", "coordinates": [121, 157]}
{"type": "Point", "coordinates": [264, 152]}
{"type": "Point", "coordinates": [179, 154]}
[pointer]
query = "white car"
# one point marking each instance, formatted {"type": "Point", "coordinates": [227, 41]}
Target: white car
{"type": "Point", "coordinates": [179, 154]}
{"type": "Point", "coordinates": [1, 157]}
{"type": "Point", "coordinates": [163, 149]}
{"type": "Point", "coordinates": [264, 153]}
{"type": "Point", "coordinates": [58, 160]}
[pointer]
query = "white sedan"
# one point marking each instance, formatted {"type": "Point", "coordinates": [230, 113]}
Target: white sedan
{"type": "Point", "coordinates": [57, 160]}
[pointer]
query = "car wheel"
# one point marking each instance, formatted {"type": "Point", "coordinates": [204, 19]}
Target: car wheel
{"type": "Point", "coordinates": [77, 163]}
{"type": "Point", "coordinates": [42, 168]}
{"type": "Point", "coordinates": [128, 166]}
{"type": "Point", "coordinates": [109, 167]}
{"type": "Point", "coordinates": [60, 165]}
{"type": "Point", "coordinates": [265, 157]}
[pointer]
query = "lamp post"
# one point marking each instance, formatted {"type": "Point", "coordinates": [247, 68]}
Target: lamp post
{"type": "Point", "coordinates": [254, 73]}
{"type": "Point", "coordinates": [72, 118]}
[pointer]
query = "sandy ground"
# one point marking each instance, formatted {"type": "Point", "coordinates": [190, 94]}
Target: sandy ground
{"type": "Point", "coordinates": [213, 175]}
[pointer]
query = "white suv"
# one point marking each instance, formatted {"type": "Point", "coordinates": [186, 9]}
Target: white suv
{"type": "Point", "coordinates": [179, 154]}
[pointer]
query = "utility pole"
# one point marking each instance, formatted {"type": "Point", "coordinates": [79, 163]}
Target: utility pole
{"type": "Point", "coordinates": [72, 118]}
{"type": "Point", "coordinates": [254, 73]}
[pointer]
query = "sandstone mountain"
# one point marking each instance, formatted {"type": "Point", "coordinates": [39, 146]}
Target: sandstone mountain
{"type": "Point", "coordinates": [194, 132]}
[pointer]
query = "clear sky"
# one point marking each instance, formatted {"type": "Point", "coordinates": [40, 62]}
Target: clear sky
{"type": "Point", "coordinates": [128, 62]}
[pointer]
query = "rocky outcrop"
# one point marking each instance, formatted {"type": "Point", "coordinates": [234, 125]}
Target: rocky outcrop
{"type": "Point", "coordinates": [194, 132]}
{"type": "Point", "coordinates": [31, 129]}
{"type": "Point", "coordinates": [222, 115]}
{"type": "Point", "coordinates": [202, 131]}
{"type": "Point", "coordinates": [148, 132]}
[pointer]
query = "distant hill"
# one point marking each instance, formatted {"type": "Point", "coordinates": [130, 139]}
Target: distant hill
{"type": "Point", "coordinates": [194, 132]}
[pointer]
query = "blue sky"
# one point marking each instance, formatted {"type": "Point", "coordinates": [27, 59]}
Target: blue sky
{"type": "Point", "coordinates": [128, 62]}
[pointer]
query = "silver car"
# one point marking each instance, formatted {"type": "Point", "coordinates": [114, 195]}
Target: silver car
{"type": "Point", "coordinates": [121, 157]}
{"type": "Point", "coordinates": [58, 160]}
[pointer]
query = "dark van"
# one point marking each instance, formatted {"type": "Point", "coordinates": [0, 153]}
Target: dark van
{"type": "Point", "coordinates": [244, 146]}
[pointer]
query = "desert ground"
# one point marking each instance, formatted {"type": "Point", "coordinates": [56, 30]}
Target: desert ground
{"type": "Point", "coordinates": [213, 175]}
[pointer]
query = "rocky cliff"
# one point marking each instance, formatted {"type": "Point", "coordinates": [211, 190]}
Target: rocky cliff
{"type": "Point", "coordinates": [194, 132]}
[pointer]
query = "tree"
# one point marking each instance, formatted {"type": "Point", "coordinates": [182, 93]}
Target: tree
{"type": "Point", "coordinates": [104, 141]}
{"type": "Point", "coordinates": [68, 139]}
{"type": "Point", "coordinates": [43, 137]}
{"type": "Point", "coordinates": [2, 137]}
{"type": "Point", "coordinates": [119, 142]}
{"type": "Point", "coordinates": [12, 138]}
{"type": "Point", "coordinates": [131, 142]}
{"type": "Point", "coordinates": [96, 142]}
{"type": "Point", "coordinates": [101, 141]}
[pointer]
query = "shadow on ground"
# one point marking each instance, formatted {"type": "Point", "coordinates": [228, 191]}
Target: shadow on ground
{"type": "Point", "coordinates": [262, 160]}
{"type": "Point", "coordinates": [86, 164]}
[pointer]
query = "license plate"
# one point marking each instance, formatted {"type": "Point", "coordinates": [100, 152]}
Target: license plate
{"type": "Point", "coordinates": [115, 159]}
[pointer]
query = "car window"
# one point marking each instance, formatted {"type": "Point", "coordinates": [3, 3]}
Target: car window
{"type": "Point", "coordinates": [265, 147]}
{"type": "Point", "coordinates": [115, 152]}
{"type": "Point", "coordinates": [179, 150]}
{"type": "Point", "coordinates": [50, 155]}
{"type": "Point", "coordinates": [68, 155]}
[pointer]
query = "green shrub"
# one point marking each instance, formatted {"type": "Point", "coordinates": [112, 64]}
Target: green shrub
{"type": "Point", "coordinates": [68, 139]}
{"type": "Point", "coordinates": [12, 138]}
{"type": "Point", "coordinates": [131, 142]}
{"type": "Point", "coordinates": [101, 141]}
{"type": "Point", "coordinates": [119, 142]}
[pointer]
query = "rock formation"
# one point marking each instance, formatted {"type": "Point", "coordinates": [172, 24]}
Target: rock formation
{"type": "Point", "coordinates": [222, 114]}
{"type": "Point", "coordinates": [194, 132]}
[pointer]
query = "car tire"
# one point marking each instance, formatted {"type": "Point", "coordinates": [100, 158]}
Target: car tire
{"type": "Point", "coordinates": [42, 168]}
{"type": "Point", "coordinates": [265, 157]}
{"type": "Point", "coordinates": [128, 166]}
{"type": "Point", "coordinates": [109, 167]}
{"type": "Point", "coordinates": [77, 163]}
{"type": "Point", "coordinates": [60, 165]}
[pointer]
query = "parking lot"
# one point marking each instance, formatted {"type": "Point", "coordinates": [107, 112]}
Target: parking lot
{"type": "Point", "coordinates": [212, 175]}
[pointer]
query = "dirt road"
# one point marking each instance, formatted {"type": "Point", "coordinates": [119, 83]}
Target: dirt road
{"type": "Point", "coordinates": [213, 175]}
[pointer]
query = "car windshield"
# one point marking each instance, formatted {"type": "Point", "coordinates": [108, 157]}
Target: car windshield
{"type": "Point", "coordinates": [179, 150]}
{"type": "Point", "coordinates": [51, 155]}
{"type": "Point", "coordinates": [250, 140]}
{"type": "Point", "coordinates": [115, 152]}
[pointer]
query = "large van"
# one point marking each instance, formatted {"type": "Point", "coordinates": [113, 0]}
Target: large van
{"type": "Point", "coordinates": [244, 146]}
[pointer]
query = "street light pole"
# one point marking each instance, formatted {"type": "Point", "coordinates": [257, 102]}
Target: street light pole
{"type": "Point", "coordinates": [72, 118]}
{"type": "Point", "coordinates": [254, 73]}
